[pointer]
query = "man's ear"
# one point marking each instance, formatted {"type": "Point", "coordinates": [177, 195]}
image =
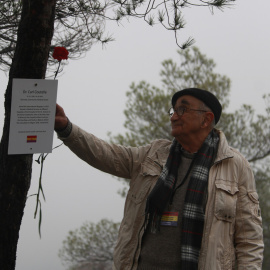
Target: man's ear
{"type": "Point", "coordinates": [208, 119]}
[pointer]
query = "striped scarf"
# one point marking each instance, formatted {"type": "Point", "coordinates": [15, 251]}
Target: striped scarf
{"type": "Point", "coordinates": [193, 211]}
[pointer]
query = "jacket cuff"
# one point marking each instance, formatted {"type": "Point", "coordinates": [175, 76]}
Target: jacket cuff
{"type": "Point", "coordinates": [64, 133]}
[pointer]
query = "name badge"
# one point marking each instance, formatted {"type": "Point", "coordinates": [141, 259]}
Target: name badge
{"type": "Point", "coordinates": [169, 219]}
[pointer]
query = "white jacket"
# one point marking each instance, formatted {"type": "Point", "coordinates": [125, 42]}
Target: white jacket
{"type": "Point", "coordinates": [233, 224]}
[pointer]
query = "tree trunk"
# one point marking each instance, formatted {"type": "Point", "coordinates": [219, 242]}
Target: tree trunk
{"type": "Point", "coordinates": [30, 61]}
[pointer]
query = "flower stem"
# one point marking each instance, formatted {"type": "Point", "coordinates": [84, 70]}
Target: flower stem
{"type": "Point", "coordinates": [57, 71]}
{"type": "Point", "coordinates": [40, 161]}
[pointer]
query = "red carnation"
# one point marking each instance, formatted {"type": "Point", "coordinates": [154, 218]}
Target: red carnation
{"type": "Point", "coordinates": [60, 53]}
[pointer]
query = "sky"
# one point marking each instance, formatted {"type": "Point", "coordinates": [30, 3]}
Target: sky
{"type": "Point", "coordinates": [92, 92]}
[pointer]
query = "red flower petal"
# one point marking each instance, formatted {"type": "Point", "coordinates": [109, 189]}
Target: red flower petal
{"type": "Point", "coordinates": [60, 53]}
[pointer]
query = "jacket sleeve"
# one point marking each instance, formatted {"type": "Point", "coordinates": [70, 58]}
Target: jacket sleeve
{"type": "Point", "coordinates": [248, 228]}
{"type": "Point", "coordinates": [110, 158]}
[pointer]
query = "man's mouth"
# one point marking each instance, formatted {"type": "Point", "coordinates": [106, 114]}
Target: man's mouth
{"type": "Point", "coordinates": [176, 125]}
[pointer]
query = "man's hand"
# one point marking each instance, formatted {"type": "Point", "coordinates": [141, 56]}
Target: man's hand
{"type": "Point", "coordinates": [61, 120]}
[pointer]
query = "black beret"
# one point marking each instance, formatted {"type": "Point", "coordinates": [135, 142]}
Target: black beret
{"type": "Point", "coordinates": [206, 97]}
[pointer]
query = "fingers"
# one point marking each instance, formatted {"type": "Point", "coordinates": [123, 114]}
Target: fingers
{"type": "Point", "coordinates": [60, 118]}
{"type": "Point", "coordinates": [59, 110]}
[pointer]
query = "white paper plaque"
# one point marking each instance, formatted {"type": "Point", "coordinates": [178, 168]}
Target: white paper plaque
{"type": "Point", "coordinates": [32, 116]}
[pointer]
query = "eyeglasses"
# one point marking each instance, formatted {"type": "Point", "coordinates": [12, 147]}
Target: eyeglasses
{"type": "Point", "coordinates": [181, 110]}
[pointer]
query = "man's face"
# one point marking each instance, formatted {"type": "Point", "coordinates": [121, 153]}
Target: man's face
{"type": "Point", "coordinates": [189, 124]}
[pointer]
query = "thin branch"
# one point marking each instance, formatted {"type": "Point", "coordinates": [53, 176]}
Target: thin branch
{"type": "Point", "coordinates": [256, 158]}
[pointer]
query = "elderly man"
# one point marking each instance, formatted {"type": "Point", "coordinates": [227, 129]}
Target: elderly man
{"type": "Point", "coordinates": [192, 202]}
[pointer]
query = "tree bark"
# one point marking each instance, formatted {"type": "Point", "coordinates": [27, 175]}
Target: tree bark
{"type": "Point", "coordinates": [30, 61]}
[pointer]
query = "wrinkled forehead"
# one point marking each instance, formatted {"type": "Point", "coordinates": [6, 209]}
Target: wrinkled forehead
{"type": "Point", "coordinates": [188, 101]}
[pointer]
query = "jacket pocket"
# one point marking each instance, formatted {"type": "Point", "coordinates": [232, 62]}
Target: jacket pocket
{"type": "Point", "coordinates": [225, 200]}
{"type": "Point", "coordinates": [150, 171]}
{"type": "Point", "coordinates": [254, 207]}
{"type": "Point", "coordinates": [150, 167]}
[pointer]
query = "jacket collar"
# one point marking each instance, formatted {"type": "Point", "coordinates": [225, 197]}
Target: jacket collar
{"type": "Point", "coordinates": [162, 153]}
{"type": "Point", "coordinates": [224, 150]}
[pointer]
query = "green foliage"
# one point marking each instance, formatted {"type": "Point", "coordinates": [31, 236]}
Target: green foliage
{"type": "Point", "coordinates": [147, 119]}
{"type": "Point", "coordinates": [194, 69]}
{"type": "Point", "coordinates": [247, 132]}
{"type": "Point", "coordinates": [91, 246]}
{"type": "Point", "coordinates": [147, 106]}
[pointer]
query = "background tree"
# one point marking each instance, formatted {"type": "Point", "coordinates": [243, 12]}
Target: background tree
{"type": "Point", "coordinates": [81, 23]}
{"type": "Point", "coordinates": [147, 119]}
{"type": "Point", "coordinates": [35, 32]}
{"type": "Point", "coordinates": [147, 106]}
{"type": "Point", "coordinates": [91, 246]}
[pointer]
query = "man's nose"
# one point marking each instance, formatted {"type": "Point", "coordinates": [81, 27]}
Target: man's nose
{"type": "Point", "coordinates": [175, 117]}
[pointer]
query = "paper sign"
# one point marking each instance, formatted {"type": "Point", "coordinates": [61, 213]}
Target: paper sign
{"type": "Point", "coordinates": [32, 116]}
